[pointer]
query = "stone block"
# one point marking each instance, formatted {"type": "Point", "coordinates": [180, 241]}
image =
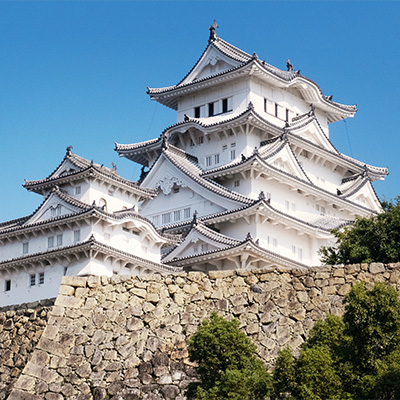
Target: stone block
{"type": "Point", "coordinates": [75, 281]}
{"type": "Point", "coordinates": [69, 302]}
{"type": "Point", "coordinates": [376, 268]}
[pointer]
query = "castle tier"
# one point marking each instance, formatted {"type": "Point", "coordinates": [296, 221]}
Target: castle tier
{"type": "Point", "coordinates": [248, 174]}
{"type": "Point", "coordinates": [87, 224]}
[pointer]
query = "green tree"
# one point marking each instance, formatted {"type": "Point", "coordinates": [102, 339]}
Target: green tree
{"type": "Point", "coordinates": [354, 357]}
{"type": "Point", "coordinates": [373, 239]}
{"type": "Point", "coordinates": [228, 367]}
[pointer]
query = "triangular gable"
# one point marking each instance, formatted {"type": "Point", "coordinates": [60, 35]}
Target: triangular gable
{"type": "Point", "coordinates": [66, 167]}
{"type": "Point", "coordinates": [212, 61]}
{"type": "Point", "coordinates": [284, 159]}
{"type": "Point", "coordinates": [312, 132]}
{"type": "Point", "coordinates": [165, 174]}
{"type": "Point", "coordinates": [52, 207]}
{"type": "Point", "coordinates": [365, 196]}
{"type": "Point", "coordinates": [200, 239]}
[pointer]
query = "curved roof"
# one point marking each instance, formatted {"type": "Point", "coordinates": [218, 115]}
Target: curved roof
{"type": "Point", "coordinates": [245, 63]}
{"type": "Point", "coordinates": [84, 168]}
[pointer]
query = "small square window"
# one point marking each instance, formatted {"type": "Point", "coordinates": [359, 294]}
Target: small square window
{"type": "Point", "coordinates": [177, 215]}
{"type": "Point", "coordinates": [32, 280]}
{"type": "Point", "coordinates": [236, 183]}
{"type": "Point", "coordinates": [59, 240]}
{"type": "Point", "coordinates": [224, 147]}
{"type": "Point", "coordinates": [224, 105]}
{"type": "Point", "coordinates": [41, 278]}
{"type": "Point", "coordinates": [210, 109]}
{"type": "Point", "coordinates": [186, 213]}
{"type": "Point", "coordinates": [25, 248]}
{"type": "Point", "coordinates": [7, 285]}
{"type": "Point", "coordinates": [77, 236]}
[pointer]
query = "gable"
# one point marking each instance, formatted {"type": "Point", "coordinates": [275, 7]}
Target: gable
{"type": "Point", "coordinates": [313, 133]}
{"type": "Point", "coordinates": [285, 160]}
{"type": "Point", "coordinates": [366, 197]}
{"type": "Point", "coordinates": [165, 176]}
{"type": "Point", "coordinates": [212, 62]}
{"type": "Point", "coordinates": [52, 207]}
{"type": "Point", "coordinates": [65, 168]}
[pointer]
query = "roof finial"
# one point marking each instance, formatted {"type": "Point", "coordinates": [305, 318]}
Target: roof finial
{"type": "Point", "coordinates": [249, 237]}
{"type": "Point", "coordinates": [261, 196]}
{"type": "Point", "coordinates": [69, 148]}
{"type": "Point", "coordinates": [114, 166]}
{"type": "Point", "coordinates": [289, 65]}
{"type": "Point", "coordinates": [213, 34]}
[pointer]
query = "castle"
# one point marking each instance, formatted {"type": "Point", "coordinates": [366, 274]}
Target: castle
{"type": "Point", "coordinates": [246, 178]}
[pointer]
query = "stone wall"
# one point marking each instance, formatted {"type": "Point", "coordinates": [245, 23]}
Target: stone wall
{"type": "Point", "coordinates": [125, 337]}
{"type": "Point", "coordinates": [20, 330]}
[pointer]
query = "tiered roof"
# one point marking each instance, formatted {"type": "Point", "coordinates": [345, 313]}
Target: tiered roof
{"type": "Point", "coordinates": [74, 167]}
{"type": "Point", "coordinates": [244, 63]}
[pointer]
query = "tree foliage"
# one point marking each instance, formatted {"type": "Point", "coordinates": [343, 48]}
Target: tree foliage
{"type": "Point", "coordinates": [354, 357]}
{"type": "Point", "coordinates": [373, 239]}
{"type": "Point", "coordinates": [228, 367]}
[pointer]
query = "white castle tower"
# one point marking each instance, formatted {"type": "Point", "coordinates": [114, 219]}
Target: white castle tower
{"type": "Point", "coordinates": [248, 174]}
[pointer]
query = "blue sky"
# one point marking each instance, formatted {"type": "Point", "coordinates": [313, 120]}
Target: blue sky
{"type": "Point", "coordinates": [75, 73]}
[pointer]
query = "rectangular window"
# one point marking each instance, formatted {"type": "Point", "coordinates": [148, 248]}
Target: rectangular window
{"type": "Point", "coordinates": [186, 213]}
{"type": "Point", "coordinates": [224, 105]}
{"type": "Point", "coordinates": [269, 106]}
{"type": "Point", "coordinates": [155, 219]}
{"type": "Point", "coordinates": [41, 278]}
{"type": "Point", "coordinates": [204, 247]}
{"type": "Point", "coordinates": [233, 154]}
{"type": "Point", "coordinates": [32, 280]}
{"type": "Point", "coordinates": [59, 240]}
{"type": "Point", "coordinates": [287, 115]}
{"type": "Point", "coordinates": [276, 110]}
{"type": "Point", "coordinates": [236, 183]}
{"type": "Point", "coordinates": [166, 218]}
{"type": "Point", "coordinates": [58, 210]}
{"type": "Point", "coordinates": [77, 236]}
{"type": "Point", "coordinates": [294, 249]}
{"type": "Point", "coordinates": [224, 147]}
{"type": "Point", "coordinates": [78, 190]}
{"type": "Point", "coordinates": [293, 206]}
{"type": "Point", "coordinates": [233, 145]}
{"type": "Point", "coordinates": [53, 212]}
{"type": "Point", "coordinates": [216, 158]}
{"type": "Point", "coordinates": [177, 215]}
{"type": "Point", "coordinates": [287, 205]}
{"type": "Point", "coordinates": [275, 242]}
{"type": "Point", "coordinates": [25, 248]}
{"type": "Point", "coordinates": [197, 112]}
{"type": "Point", "coordinates": [210, 109]}
{"type": "Point", "coordinates": [176, 190]}
{"type": "Point", "coordinates": [300, 253]}
{"type": "Point", "coordinates": [7, 285]}
{"type": "Point", "coordinates": [208, 161]}
{"type": "Point", "coordinates": [50, 242]}
{"type": "Point", "coordinates": [195, 249]}
{"type": "Point", "coordinates": [200, 140]}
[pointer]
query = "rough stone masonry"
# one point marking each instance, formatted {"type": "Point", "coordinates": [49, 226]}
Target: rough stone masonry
{"type": "Point", "coordinates": [125, 337]}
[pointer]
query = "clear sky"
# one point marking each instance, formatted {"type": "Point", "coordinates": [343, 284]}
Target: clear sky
{"type": "Point", "coordinates": [75, 73]}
